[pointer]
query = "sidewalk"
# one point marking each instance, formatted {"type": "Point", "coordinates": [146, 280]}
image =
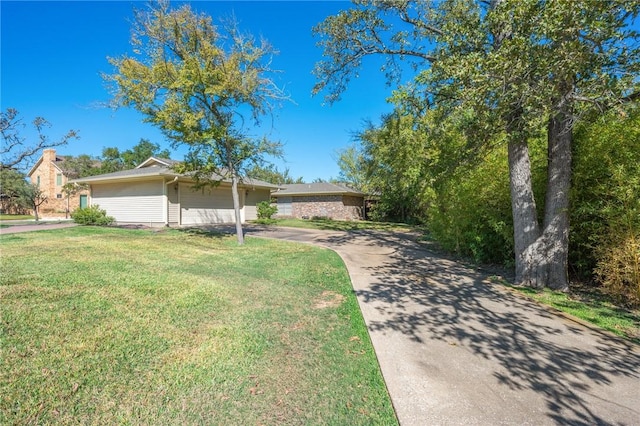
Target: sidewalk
{"type": "Point", "coordinates": [455, 349]}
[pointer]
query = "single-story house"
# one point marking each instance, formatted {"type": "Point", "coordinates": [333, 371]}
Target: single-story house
{"type": "Point", "coordinates": [320, 199]}
{"type": "Point", "coordinates": [154, 194]}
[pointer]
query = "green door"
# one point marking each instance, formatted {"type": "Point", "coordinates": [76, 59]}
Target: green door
{"type": "Point", "coordinates": [83, 201]}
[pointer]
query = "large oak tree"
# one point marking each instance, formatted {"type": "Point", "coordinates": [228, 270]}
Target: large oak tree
{"type": "Point", "coordinates": [520, 65]}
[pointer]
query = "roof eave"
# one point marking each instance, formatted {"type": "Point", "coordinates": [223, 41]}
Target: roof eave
{"type": "Point", "coordinates": [311, 194]}
{"type": "Point", "coordinates": [97, 179]}
{"type": "Point", "coordinates": [35, 166]}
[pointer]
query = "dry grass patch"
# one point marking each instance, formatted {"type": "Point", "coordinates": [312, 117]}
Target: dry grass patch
{"type": "Point", "coordinates": [328, 299]}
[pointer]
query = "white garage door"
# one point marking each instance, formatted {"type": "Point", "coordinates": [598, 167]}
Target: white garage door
{"type": "Point", "coordinates": [130, 202]}
{"type": "Point", "coordinates": [206, 205]}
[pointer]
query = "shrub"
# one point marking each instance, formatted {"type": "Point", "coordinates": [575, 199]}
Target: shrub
{"type": "Point", "coordinates": [619, 270]}
{"type": "Point", "coordinates": [92, 216]}
{"type": "Point", "coordinates": [605, 195]}
{"type": "Point", "coordinates": [266, 210]}
{"type": "Point", "coordinates": [471, 211]}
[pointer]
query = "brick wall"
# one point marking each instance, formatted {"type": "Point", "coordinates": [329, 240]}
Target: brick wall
{"type": "Point", "coordinates": [48, 173]}
{"type": "Point", "coordinates": [332, 206]}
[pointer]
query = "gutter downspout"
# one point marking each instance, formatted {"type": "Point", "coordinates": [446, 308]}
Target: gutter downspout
{"type": "Point", "coordinates": [165, 200]}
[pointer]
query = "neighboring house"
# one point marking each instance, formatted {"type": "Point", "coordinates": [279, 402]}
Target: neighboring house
{"type": "Point", "coordinates": [50, 175]}
{"type": "Point", "coordinates": [154, 194]}
{"type": "Point", "coordinates": [327, 200]}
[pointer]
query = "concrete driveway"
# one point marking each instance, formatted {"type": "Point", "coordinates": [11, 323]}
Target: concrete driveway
{"type": "Point", "coordinates": [455, 349]}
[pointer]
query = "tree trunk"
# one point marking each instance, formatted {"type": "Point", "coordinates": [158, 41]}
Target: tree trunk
{"type": "Point", "coordinates": [236, 208]}
{"type": "Point", "coordinates": [526, 230]}
{"type": "Point", "coordinates": [542, 256]}
{"type": "Point", "coordinates": [556, 207]}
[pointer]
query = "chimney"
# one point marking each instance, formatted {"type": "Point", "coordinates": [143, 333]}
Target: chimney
{"type": "Point", "coordinates": [49, 154]}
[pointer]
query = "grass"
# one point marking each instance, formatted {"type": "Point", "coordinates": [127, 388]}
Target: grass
{"type": "Point", "coordinates": [105, 325]}
{"type": "Point", "coordinates": [337, 225]}
{"type": "Point", "coordinates": [591, 306]}
{"type": "Point", "coordinates": [15, 217]}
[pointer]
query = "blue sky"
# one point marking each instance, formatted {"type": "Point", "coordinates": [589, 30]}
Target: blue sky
{"type": "Point", "coordinates": [53, 54]}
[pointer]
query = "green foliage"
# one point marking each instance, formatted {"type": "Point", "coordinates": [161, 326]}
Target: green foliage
{"type": "Point", "coordinates": [353, 168]}
{"type": "Point", "coordinates": [605, 215]}
{"type": "Point", "coordinates": [12, 185]}
{"type": "Point", "coordinates": [113, 159]}
{"type": "Point", "coordinates": [521, 66]}
{"type": "Point", "coordinates": [266, 210]}
{"type": "Point", "coordinates": [33, 196]}
{"type": "Point", "coordinates": [70, 189]}
{"type": "Point", "coordinates": [81, 166]}
{"type": "Point", "coordinates": [201, 85]}
{"type": "Point", "coordinates": [92, 215]}
{"type": "Point", "coordinates": [471, 213]}
{"type": "Point", "coordinates": [193, 80]}
{"type": "Point", "coordinates": [270, 173]}
{"type": "Point", "coordinates": [397, 156]}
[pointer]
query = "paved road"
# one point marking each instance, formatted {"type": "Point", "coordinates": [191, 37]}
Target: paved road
{"type": "Point", "coordinates": [456, 350]}
{"type": "Point", "coordinates": [39, 226]}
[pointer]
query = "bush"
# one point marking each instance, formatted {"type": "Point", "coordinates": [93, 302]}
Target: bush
{"type": "Point", "coordinates": [471, 212]}
{"type": "Point", "coordinates": [266, 210]}
{"type": "Point", "coordinates": [92, 216]}
{"type": "Point", "coordinates": [619, 270]}
{"type": "Point", "coordinates": [605, 196]}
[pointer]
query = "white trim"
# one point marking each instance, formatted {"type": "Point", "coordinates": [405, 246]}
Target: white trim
{"type": "Point", "coordinates": [165, 203]}
{"type": "Point", "coordinates": [152, 160]}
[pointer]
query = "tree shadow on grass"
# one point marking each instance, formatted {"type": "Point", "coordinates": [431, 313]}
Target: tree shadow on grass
{"type": "Point", "coordinates": [213, 231]}
{"type": "Point", "coordinates": [578, 375]}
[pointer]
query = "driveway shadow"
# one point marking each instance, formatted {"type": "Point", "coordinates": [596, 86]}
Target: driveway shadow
{"type": "Point", "coordinates": [580, 376]}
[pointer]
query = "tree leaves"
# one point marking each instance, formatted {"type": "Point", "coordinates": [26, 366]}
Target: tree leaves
{"type": "Point", "coordinates": [201, 85]}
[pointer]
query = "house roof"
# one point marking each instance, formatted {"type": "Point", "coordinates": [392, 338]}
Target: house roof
{"type": "Point", "coordinates": [317, 188]}
{"type": "Point", "coordinates": [57, 164]}
{"type": "Point", "coordinates": [60, 163]}
{"type": "Point", "coordinates": [151, 161]}
{"type": "Point", "coordinates": [157, 167]}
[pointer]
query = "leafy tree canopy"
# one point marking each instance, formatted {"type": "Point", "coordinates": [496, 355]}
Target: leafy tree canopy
{"type": "Point", "coordinates": [519, 67]}
{"type": "Point", "coordinates": [203, 86]}
{"type": "Point", "coordinates": [270, 173]}
{"type": "Point", "coordinates": [114, 160]}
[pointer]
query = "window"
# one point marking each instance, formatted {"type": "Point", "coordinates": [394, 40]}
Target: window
{"type": "Point", "coordinates": [38, 181]}
{"type": "Point", "coordinates": [59, 179]}
{"type": "Point", "coordinates": [58, 195]}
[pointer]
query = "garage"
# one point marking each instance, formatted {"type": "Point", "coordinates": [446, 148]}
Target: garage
{"type": "Point", "coordinates": [206, 205]}
{"type": "Point", "coordinates": [154, 194]}
{"type": "Point", "coordinates": [136, 202]}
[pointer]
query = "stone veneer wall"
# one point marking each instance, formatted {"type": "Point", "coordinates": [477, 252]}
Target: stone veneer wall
{"type": "Point", "coordinates": [54, 206]}
{"type": "Point", "coordinates": [337, 207]}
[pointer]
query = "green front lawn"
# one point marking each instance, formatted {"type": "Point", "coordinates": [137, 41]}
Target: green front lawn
{"type": "Point", "coordinates": [104, 326]}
